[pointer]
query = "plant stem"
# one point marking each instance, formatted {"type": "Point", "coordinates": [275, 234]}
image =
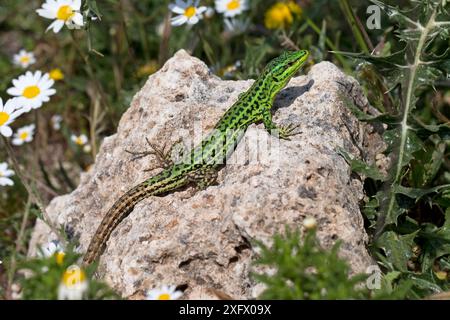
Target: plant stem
{"type": "Point", "coordinates": [18, 247]}
{"type": "Point", "coordinates": [93, 126]}
{"type": "Point", "coordinates": [409, 104]}
{"type": "Point", "coordinates": [34, 197]}
{"type": "Point", "coordinates": [90, 70]}
{"type": "Point", "coordinates": [358, 30]}
{"type": "Point", "coordinates": [329, 44]}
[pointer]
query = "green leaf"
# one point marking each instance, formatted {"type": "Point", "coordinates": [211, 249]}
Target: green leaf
{"type": "Point", "coordinates": [362, 116]}
{"type": "Point", "coordinates": [92, 5]}
{"type": "Point", "coordinates": [361, 167]}
{"type": "Point", "coordinates": [426, 165]}
{"type": "Point", "coordinates": [426, 284]}
{"type": "Point", "coordinates": [416, 193]}
{"type": "Point", "coordinates": [397, 248]}
{"type": "Point", "coordinates": [412, 143]}
{"type": "Point", "coordinates": [442, 130]}
{"type": "Point", "coordinates": [392, 67]}
{"type": "Point", "coordinates": [435, 243]}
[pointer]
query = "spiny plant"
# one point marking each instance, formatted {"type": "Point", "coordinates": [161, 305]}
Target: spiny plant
{"type": "Point", "coordinates": [408, 209]}
{"type": "Point", "coordinates": [304, 270]}
{"type": "Point", "coordinates": [297, 267]}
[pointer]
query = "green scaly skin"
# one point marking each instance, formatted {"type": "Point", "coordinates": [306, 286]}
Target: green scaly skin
{"type": "Point", "coordinates": [205, 160]}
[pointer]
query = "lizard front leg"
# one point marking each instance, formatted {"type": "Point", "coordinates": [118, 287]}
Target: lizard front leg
{"type": "Point", "coordinates": [283, 132]}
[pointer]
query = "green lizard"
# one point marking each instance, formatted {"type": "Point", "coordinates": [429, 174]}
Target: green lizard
{"type": "Point", "coordinates": [202, 164]}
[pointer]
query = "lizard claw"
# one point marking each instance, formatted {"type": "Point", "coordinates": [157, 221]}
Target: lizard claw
{"type": "Point", "coordinates": [162, 156]}
{"type": "Point", "coordinates": [285, 132]}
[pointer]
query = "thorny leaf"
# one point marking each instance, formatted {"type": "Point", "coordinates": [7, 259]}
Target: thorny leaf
{"type": "Point", "coordinates": [397, 248]}
{"type": "Point", "coordinates": [361, 167]}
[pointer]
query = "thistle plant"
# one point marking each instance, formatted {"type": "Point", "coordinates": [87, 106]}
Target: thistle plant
{"type": "Point", "coordinates": [408, 209]}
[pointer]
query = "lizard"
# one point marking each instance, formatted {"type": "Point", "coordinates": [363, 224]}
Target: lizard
{"type": "Point", "coordinates": [205, 160]}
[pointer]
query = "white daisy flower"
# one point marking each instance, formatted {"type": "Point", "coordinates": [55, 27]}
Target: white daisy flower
{"type": "Point", "coordinates": [53, 248]}
{"type": "Point", "coordinates": [24, 59]}
{"type": "Point", "coordinates": [24, 134]}
{"type": "Point", "coordinates": [73, 284]}
{"type": "Point", "coordinates": [56, 122]}
{"type": "Point", "coordinates": [5, 173]}
{"type": "Point", "coordinates": [188, 12]}
{"type": "Point", "coordinates": [8, 112]}
{"type": "Point", "coordinates": [164, 293]}
{"type": "Point", "coordinates": [236, 26]}
{"type": "Point", "coordinates": [64, 12]}
{"type": "Point", "coordinates": [231, 8]}
{"type": "Point", "coordinates": [32, 90]}
{"type": "Point", "coordinates": [80, 140]}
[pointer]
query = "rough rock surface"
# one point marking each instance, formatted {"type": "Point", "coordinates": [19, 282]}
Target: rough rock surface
{"type": "Point", "coordinates": [200, 240]}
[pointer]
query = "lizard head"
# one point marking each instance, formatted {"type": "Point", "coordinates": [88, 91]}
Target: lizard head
{"type": "Point", "coordinates": [281, 69]}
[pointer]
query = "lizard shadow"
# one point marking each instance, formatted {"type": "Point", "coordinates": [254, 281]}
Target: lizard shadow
{"type": "Point", "coordinates": [287, 96]}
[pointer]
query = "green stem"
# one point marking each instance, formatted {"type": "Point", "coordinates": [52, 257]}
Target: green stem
{"type": "Point", "coordinates": [409, 105]}
{"type": "Point", "coordinates": [34, 196]}
{"type": "Point", "coordinates": [18, 246]}
{"type": "Point", "coordinates": [358, 30]}
{"type": "Point", "coordinates": [330, 44]}
{"type": "Point", "coordinates": [89, 69]}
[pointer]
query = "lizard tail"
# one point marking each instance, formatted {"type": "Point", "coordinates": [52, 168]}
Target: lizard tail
{"type": "Point", "coordinates": [121, 209]}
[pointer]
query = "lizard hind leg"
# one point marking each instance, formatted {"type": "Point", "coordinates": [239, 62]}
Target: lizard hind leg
{"type": "Point", "coordinates": [204, 177]}
{"type": "Point", "coordinates": [164, 156]}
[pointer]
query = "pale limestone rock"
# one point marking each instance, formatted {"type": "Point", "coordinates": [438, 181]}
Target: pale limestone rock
{"type": "Point", "coordinates": [202, 240]}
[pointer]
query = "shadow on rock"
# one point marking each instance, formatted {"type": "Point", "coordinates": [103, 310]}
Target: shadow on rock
{"type": "Point", "coordinates": [287, 96]}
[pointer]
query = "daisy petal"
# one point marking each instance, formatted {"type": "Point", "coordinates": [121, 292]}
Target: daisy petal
{"type": "Point", "coordinates": [45, 13]}
{"type": "Point", "coordinates": [6, 182]}
{"type": "Point", "coordinates": [6, 131]}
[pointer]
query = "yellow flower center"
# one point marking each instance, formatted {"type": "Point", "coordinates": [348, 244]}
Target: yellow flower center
{"type": "Point", "coordinates": [164, 296]}
{"type": "Point", "coordinates": [64, 13]}
{"type": "Point", "coordinates": [79, 141]}
{"type": "Point", "coordinates": [24, 59]}
{"type": "Point", "coordinates": [148, 68]}
{"type": "Point", "coordinates": [233, 5]}
{"type": "Point", "coordinates": [60, 257]}
{"type": "Point", "coordinates": [3, 118]}
{"type": "Point", "coordinates": [31, 91]}
{"type": "Point", "coordinates": [190, 12]}
{"type": "Point", "coordinates": [23, 135]}
{"type": "Point", "coordinates": [73, 276]}
{"type": "Point", "coordinates": [56, 74]}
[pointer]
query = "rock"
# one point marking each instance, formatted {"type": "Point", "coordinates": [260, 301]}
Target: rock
{"type": "Point", "coordinates": [202, 240]}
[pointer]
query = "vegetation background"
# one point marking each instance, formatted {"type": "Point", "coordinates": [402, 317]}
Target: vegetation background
{"type": "Point", "coordinates": [403, 67]}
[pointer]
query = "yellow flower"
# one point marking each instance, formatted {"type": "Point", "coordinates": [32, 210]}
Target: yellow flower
{"type": "Point", "coordinates": [56, 74]}
{"type": "Point", "coordinates": [148, 69]}
{"type": "Point", "coordinates": [281, 15]}
{"type": "Point", "coordinates": [295, 8]}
